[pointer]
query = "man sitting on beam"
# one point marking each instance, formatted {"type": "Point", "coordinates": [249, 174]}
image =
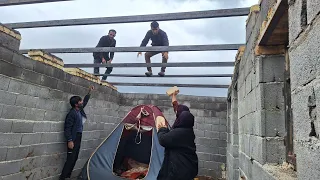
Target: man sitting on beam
{"type": "Point", "coordinates": [158, 38]}
{"type": "Point", "coordinates": [103, 57]}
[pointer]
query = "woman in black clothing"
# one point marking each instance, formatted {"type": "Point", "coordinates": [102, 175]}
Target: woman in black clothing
{"type": "Point", "coordinates": [180, 161]}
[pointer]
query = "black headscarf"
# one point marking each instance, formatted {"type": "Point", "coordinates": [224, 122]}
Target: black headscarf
{"type": "Point", "coordinates": [185, 120]}
{"type": "Point", "coordinates": [180, 109]}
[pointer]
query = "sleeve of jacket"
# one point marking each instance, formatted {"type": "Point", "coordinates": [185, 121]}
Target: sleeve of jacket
{"type": "Point", "coordinates": [165, 39]}
{"type": "Point", "coordinates": [86, 100]}
{"type": "Point", "coordinates": [145, 40]}
{"type": "Point", "coordinates": [100, 44]}
{"type": "Point", "coordinates": [112, 53]}
{"type": "Point", "coordinates": [167, 138]}
{"type": "Point", "coordinates": [68, 124]}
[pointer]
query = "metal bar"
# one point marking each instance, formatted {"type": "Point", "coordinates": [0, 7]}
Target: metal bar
{"type": "Point", "coordinates": [170, 85]}
{"type": "Point", "coordinates": [187, 64]}
{"type": "Point", "coordinates": [175, 75]}
{"type": "Point", "coordinates": [23, 2]}
{"type": "Point", "coordinates": [219, 47]}
{"type": "Point", "coordinates": [138, 18]}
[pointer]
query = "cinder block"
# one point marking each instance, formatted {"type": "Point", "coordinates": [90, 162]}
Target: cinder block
{"type": "Point", "coordinates": [16, 176]}
{"type": "Point", "coordinates": [41, 127]}
{"type": "Point", "coordinates": [7, 98]}
{"type": "Point", "coordinates": [10, 139]}
{"type": "Point", "coordinates": [10, 38]}
{"type": "Point", "coordinates": [28, 139]}
{"type": "Point", "coordinates": [46, 104]}
{"type": "Point", "coordinates": [13, 112]}
{"type": "Point", "coordinates": [218, 158]}
{"type": "Point", "coordinates": [270, 68]}
{"type": "Point", "coordinates": [26, 101]}
{"type": "Point", "coordinates": [258, 149]}
{"type": "Point", "coordinates": [52, 159]}
{"type": "Point", "coordinates": [272, 98]}
{"type": "Point", "coordinates": [17, 153]}
{"type": "Point", "coordinates": [313, 8]}
{"type": "Point", "coordinates": [211, 134]}
{"type": "Point", "coordinates": [3, 153]}
{"type": "Point", "coordinates": [304, 59]}
{"type": "Point", "coordinates": [259, 173]}
{"type": "Point", "coordinates": [7, 168]}
{"type": "Point", "coordinates": [223, 136]}
{"type": "Point", "coordinates": [22, 127]}
{"type": "Point", "coordinates": [33, 174]}
{"type": "Point", "coordinates": [35, 114]}
{"type": "Point", "coordinates": [55, 148]}
{"type": "Point", "coordinates": [54, 116]}
{"type": "Point", "coordinates": [295, 19]}
{"type": "Point", "coordinates": [207, 149]}
{"type": "Point", "coordinates": [251, 23]}
{"type": "Point", "coordinates": [6, 125]}
{"type": "Point", "coordinates": [6, 54]}
{"type": "Point", "coordinates": [275, 150]}
{"type": "Point", "coordinates": [18, 87]}
{"type": "Point", "coordinates": [51, 137]}
{"type": "Point", "coordinates": [38, 149]}
{"type": "Point", "coordinates": [4, 81]}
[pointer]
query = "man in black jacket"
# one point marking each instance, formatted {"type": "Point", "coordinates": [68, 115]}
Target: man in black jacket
{"type": "Point", "coordinates": [103, 57]}
{"type": "Point", "coordinates": [73, 128]}
{"type": "Point", "coordinates": [158, 38]}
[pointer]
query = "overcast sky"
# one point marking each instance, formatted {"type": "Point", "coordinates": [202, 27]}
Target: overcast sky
{"type": "Point", "coordinates": [186, 32]}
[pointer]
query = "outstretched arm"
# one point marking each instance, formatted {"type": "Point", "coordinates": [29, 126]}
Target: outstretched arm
{"type": "Point", "coordinates": [165, 39]}
{"type": "Point", "coordinates": [145, 39]}
{"type": "Point", "coordinates": [87, 97]}
{"type": "Point", "coordinates": [174, 102]}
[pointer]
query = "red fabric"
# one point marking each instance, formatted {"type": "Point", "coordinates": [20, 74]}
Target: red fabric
{"type": "Point", "coordinates": [153, 111]}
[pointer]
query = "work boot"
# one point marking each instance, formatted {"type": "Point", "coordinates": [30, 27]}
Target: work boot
{"type": "Point", "coordinates": [161, 74]}
{"type": "Point", "coordinates": [148, 73]}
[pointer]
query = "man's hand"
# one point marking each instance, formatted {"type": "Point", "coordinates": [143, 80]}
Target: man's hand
{"type": "Point", "coordinates": [165, 55]}
{"type": "Point", "coordinates": [70, 145]}
{"type": "Point", "coordinates": [103, 61]}
{"type": "Point", "coordinates": [91, 88]}
{"type": "Point", "coordinates": [110, 61]}
{"type": "Point", "coordinates": [139, 54]}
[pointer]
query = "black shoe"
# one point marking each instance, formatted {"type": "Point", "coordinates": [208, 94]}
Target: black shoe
{"type": "Point", "coordinates": [161, 74]}
{"type": "Point", "coordinates": [148, 73]}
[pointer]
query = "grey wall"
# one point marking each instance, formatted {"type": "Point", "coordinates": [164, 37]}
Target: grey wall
{"type": "Point", "coordinates": [304, 26]}
{"type": "Point", "coordinates": [34, 102]}
{"type": "Point", "coordinates": [210, 126]}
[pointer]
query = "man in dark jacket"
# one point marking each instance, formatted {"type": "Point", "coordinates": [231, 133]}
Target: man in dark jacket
{"type": "Point", "coordinates": [103, 57]}
{"type": "Point", "coordinates": [158, 38]}
{"type": "Point", "coordinates": [73, 128]}
{"type": "Point", "coordinates": [180, 160]}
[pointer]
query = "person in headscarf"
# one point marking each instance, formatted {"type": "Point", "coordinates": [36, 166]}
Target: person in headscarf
{"type": "Point", "coordinates": [180, 160]}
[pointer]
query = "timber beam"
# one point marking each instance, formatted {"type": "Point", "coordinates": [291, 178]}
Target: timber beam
{"type": "Point", "coordinates": [132, 19]}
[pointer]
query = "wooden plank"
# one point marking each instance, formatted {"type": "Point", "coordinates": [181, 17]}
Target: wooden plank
{"type": "Point", "coordinates": [138, 18]}
{"type": "Point", "coordinates": [211, 47]}
{"type": "Point", "coordinates": [24, 2]}
{"type": "Point", "coordinates": [187, 64]}
{"type": "Point", "coordinates": [270, 50]}
{"type": "Point", "coordinates": [279, 14]}
{"type": "Point", "coordinates": [169, 85]}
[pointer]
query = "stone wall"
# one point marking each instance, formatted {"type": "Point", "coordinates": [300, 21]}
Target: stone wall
{"type": "Point", "coordinates": [210, 125]}
{"type": "Point", "coordinates": [304, 54]}
{"type": "Point", "coordinates": [34, 100]}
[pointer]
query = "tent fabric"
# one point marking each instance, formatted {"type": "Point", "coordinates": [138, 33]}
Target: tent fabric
{"type": "Point", "coordinates": [135, 137]}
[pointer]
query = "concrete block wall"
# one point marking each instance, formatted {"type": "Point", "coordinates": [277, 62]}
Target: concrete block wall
{"type": "Point", "coordinates": [34, 100]}
{"type": "Point", "coordinates": [256, 117]}
{"type": "Point", "coordinates": [304, 28]}
{"type": "Point", "coordinates": [210, 126]}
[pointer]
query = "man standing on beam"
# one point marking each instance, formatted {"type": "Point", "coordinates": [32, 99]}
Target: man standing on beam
{"type": "Point", "coordinates": [103, 57]}
{"type": "Point", "coordinates": [158, 38]}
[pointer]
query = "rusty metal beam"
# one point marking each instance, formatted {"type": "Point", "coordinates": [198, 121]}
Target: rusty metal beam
{"type": "Point", "coordinates": [138, 18]}
{"type": "Point", "coordinates": [213, 47]}
{"type": "Point", "coordinates": [170, 85]}
{"type": "Point", "coordinates": [175, 75]}
{"type": "Point", "coordinates": [23, 2]}
{"type": "Point", "coordinates": [187, 64]}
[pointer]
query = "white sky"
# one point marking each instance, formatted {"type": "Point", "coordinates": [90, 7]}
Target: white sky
{"type": "Point", "coordinates": [186, 32]}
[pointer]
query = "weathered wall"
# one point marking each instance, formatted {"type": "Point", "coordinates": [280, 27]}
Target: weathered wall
{"type": "Point", "coordinates": [210, 126]}
{"type": "Point", "coordinates": [34, 102]}
{"type": "Point", "coordinates": [304, 54]}
{"type": "Point", "coordinates": [34, 99]}
{"type": "Point", "coordinates": [256, 120]}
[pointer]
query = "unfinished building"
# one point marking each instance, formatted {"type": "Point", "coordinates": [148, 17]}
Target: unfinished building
{"type": "Point", "coordinates": [265, 128]}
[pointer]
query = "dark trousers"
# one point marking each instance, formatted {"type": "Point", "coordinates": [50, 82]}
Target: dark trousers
{"type": "Point", "coordinates": [148, 56]}
{"type": "Point", "coordinates": [96, 69]}
{"type": "Point", "coordinates": [72, 157]}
